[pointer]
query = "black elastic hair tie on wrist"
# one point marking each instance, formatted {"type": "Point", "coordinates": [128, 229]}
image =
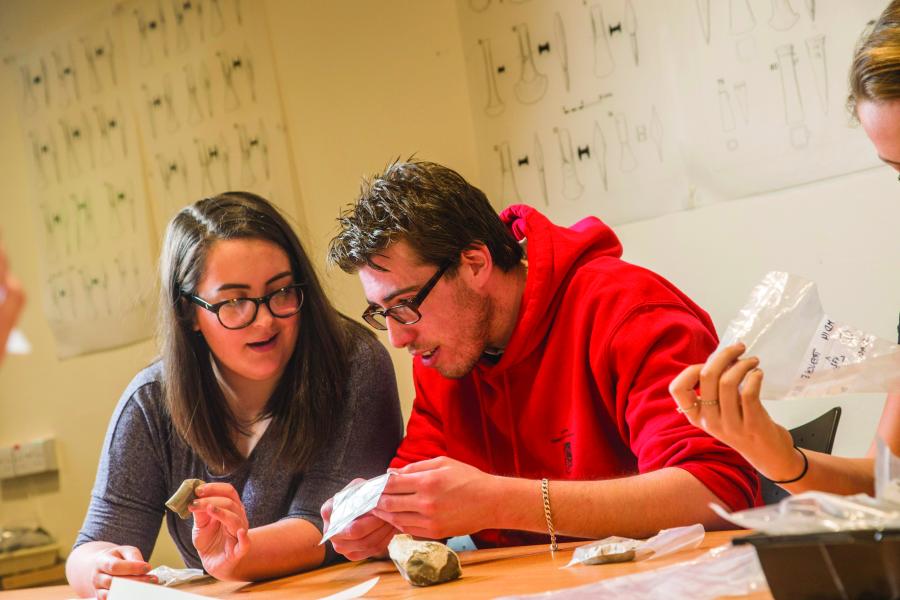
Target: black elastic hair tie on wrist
{"type": "Point", "coordinates": [802, 473]}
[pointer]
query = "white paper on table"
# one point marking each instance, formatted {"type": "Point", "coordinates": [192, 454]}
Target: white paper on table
{"type": "Point", "coordinates": [17, 343]}
{"type": "Point", "coordinates": [126, 589]}
{"type": "Point", "coordinates": [353, 502]}
{"type": "Point", "coordinates": [355, 592]}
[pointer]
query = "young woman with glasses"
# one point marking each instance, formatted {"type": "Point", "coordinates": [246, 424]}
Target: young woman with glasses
{"type": "Point", "coordinates": [262, 390]}
{"type": "Point", "coordinates": [728, 406]}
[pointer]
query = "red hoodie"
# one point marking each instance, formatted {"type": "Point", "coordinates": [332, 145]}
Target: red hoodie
{"type": "Point", "coordinates": [581, 391]}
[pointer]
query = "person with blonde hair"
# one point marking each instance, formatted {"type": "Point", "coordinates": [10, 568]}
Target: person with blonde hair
{"type": "Point", "coordinates": [728, 405]}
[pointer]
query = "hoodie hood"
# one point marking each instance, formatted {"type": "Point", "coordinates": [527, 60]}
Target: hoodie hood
{"type": "Point", "coordinates": [554, 253]}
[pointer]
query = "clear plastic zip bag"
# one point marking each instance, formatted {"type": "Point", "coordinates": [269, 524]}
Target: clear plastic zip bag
{"type": "Point", "coordinates": [803, 351]}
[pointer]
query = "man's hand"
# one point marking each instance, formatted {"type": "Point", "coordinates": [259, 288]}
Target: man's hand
{"type": "Point", "coordinates": [440, 498]}
{"type": "Point", "coordinates": [366, 537]}
{"type": "Point", "coordinates": [220, 530]}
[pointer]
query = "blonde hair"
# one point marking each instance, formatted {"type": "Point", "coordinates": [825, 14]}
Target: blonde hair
{"type": "Point", "coordinates": [875, 72]}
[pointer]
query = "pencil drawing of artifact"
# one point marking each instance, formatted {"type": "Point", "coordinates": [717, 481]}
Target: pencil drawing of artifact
{"type": "Point", "coordinates": [195, 106]}
{"type": "Point", "coordinates": [111, 131]}
{"type": "Point", "coordinates": [631, 25]}
{"type": "Point", "coordinates": [151, 35]}
{"type": "Point", "coordinates": [783, 15]}
{"type": "Point", "coordinates": [479, 5]}
{"type": "Point", "coordinates": [173, 173]}
{"type": "Point", "coordinates": [254, 153]}
{"type": "Point", "coordinates": [726, 112]}
{"type": "Point", "coordinates": [238, 12]}
{"type": "Point", "coordinates": [83, 217]}
{"type": "Point", "coordinates": [56, 228]}
{"type": "Point", "coordinates": [815, 48]}
{"type": "Point", "coordinates": [100, 59]}
{"type": "Point", "coordinates": [572, 188]}
{"type": "Point", "coordinates": [35, 88]}
{"type": "Point", "coordinates": [494, 104]}
{"type": "Point", "coordinates": [599, 145]}
{"type": "Point", "coordinates": [790, 84]}
{"type": "Point", "coordinates": [509, 191]}
{"type": "Point", "coordinates": [46, 158]}
{"type": "Point", "coordinates": [239, 77]}
{"type": "Point", "coordinates": [563, 48]}
{"type": "Point", "coordinates": [216, 17]}
{"type": "Point", "coordinates": [656, 132]}
{"type": "Point", "coordinates": [122, 210]}
{"type": "Point", "coordinates": [185, 11]}
{"type": "Point", "coordinates": [640, 133]}
{"type": "Point", "coordinates": [590, 103]}
{"type": "Point", "coordinates": [740, 17]}
{"type": "Point", "coordinates": [703, 14]}
{"type": "Point", "coordinates": [62, 297]}
{"type": "Point", "coordinates": [66, 76]}
{"type": "Point", "coordinates": [78, 145]}
{"type": "Point", "coordinates": [541, 170]}
{"type": "Point", "coordinates": [811, 9]}
{"type": "Point", "coordinates": [532, 84]}
{"type": "Point", "coordinates": [160, 106]}
{"type": "Point", "coordinates": [214, 164]}
{"type": "Point", "coordinates": [627, 160]}
{"type": "Point", "coordinates": [95, 286]}
{"type": "Point", "coordinates": [603, 58]}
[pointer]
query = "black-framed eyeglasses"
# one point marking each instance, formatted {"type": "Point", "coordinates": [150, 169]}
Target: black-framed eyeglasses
{"type": "Point", "coordinates": [238, 313]}
{"type": "Point", "coordinates": [407, 311]}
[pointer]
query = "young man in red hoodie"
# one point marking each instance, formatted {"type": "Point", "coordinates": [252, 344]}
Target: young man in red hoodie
{"type": "Point", "coordinates": [541, 362]}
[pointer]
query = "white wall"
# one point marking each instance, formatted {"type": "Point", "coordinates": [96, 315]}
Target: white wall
{"type": "Point", "coordinates": [841, 233]}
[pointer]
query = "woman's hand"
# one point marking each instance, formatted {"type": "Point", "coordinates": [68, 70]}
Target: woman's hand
{"type": "Point", "coordinates": [729, 409]}
{"type": "Point", "coordinates": [220, 530]}
{"type": "Point", "coordinates": [118, 561]}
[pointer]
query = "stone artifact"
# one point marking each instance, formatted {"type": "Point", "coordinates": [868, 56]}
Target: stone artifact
{"type": "Point", "coordinates": [423, 563]}
{"type": "Point", "coordinates": [183, 497]}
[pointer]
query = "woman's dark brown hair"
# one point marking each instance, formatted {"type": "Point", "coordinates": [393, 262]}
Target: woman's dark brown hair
{"type": "Point", "coordinates": [308, 400]}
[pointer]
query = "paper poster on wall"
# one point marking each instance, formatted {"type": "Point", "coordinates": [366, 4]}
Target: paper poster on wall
{"type": "Point", "coordinates": [207, 102]}
{"type": "Point", "coordinates": [127, 119]}
{"type": "Point", "coordinates": [88, 194]}
{"type": "Point", "coordinates": [630, 109]}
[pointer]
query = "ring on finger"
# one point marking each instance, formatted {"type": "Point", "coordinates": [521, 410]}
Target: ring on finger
{"type": "Point", "coordinates": [681, 410]}
{"type": "Point", "coordinates": [707, 402]}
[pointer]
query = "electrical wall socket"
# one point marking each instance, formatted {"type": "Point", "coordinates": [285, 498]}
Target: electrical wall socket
{"type": "Point", "coordinates": [34, 457]}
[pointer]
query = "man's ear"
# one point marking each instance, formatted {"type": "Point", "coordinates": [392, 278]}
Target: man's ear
{"type": "Point", "coordinates": [476, 264]}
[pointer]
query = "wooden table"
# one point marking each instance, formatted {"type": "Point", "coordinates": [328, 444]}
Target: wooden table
{"type": "Point", "coordinates": [486, 574]}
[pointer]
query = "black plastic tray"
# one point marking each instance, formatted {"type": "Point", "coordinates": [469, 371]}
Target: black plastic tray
{"type": "Point", "coordinates": [849, 565]}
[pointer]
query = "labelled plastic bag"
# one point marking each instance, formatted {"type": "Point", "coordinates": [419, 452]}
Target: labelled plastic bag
{"type": "Point", "coordinates": [816, 512]}
{"type": "Point", "coordinates": [618, 549]}
{"type": "Point", "coordinates": [805, 353]}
